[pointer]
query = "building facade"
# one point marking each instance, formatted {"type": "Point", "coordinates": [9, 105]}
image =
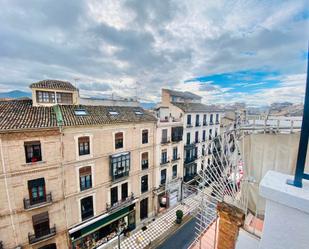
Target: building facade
{"type": "Point", "coordinates": [201, 123]}
{"type": "Point", "coordinates": [72, 175]}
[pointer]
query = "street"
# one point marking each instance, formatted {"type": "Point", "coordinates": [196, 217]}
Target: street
{"type": "Point", "coordinates": [182, 238]}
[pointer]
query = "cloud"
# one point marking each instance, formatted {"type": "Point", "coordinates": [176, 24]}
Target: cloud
{"type": "Point", "coordinates": [155, 43]}
{"type": "Point", "coordinates": [95, 86]}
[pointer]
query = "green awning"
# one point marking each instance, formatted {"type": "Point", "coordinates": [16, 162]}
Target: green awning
{"type": "Point", "coordinates": [103, 222]}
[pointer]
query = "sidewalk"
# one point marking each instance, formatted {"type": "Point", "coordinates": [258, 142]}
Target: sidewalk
{"type": "Point", "coordinates": [161, 225]}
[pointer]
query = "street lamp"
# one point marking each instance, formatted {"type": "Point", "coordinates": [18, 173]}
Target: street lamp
{"type": "Point", "coordinates": [120, 229]}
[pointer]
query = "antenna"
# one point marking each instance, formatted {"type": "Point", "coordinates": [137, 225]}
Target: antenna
{"type": "Point", "coordinates": [75, 80]}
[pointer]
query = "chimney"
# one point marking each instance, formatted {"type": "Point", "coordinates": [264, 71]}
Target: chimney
{"type": "Point", "coordinates": [231, 219]}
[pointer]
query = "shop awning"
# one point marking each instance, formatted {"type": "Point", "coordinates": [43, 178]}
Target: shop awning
{"type": "Point", "coordinates": [95, 224]}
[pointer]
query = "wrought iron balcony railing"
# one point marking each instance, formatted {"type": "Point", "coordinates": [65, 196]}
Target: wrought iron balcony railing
{"type": "Point", "coordinates": [120, 204]}
{"type": "Point", "coordinates": [164, 161]}
{"type": "Point", "coordinates": [44, 234]}
{"type": "Point", "coordinates": [31, 203]}
{"type": "Point", "coordinates": [189, 177]}
{"type": "Point", "coordinates": [175, 158]}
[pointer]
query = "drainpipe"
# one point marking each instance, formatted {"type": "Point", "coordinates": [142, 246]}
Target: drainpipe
{"type": "Point", "coordinates": [59, 118]}
{"type": "Point", "coordinates": [8, 194]}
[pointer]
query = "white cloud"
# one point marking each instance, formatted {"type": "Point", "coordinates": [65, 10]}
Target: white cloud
{"type": "Point", "coordinates": [156, 43]}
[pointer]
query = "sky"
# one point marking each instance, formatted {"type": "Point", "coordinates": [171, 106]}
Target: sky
{"type": "Point", "coordinates": [252, 51]}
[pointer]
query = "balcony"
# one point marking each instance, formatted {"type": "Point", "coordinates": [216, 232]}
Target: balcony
{"type": "Point", "coordinates": [164, 161]}
{"type": "Point", "coordinates": [189, 125]}
{"type": "Point", "coordinates": [204, 123]}
{"type": "Point", "coordinates": [189, 177]}
{"type": "Point", "coordinates": [176, 158]}
{"type": "Point", "coordinates": [46, 234]}
{"type": "Point", "coordinates": [211, 122]}
{"type": "Point", "coordinates": [217, 122]}
{"type": "Point", "coordinates": [30, 204]}
{"type": "Point", "coordinates": [165, 140]}
{"type": "Point", "coordinates": [197, 124]}
{"type": "Point", "coordinates": [177, 138]}
{"type": "Point", "coordinates": [120, 204]}
{"type": "Point", "coordinates": [190, 159]}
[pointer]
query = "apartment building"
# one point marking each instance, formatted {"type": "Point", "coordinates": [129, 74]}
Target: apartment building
{"type": "Point", "coordinates": [169, 160]}
{"type": "Point", "coordinates": [72, 174]}
{"type": "Point", "coordinates": [201, 123]}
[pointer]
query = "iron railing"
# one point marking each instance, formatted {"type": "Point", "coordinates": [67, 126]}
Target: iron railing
{"type": "Point", "coordinates": [120, 203]}
{"type": "Point", "coordinates": [30, 203]}
{"type": "Point", "coordinates": [48, 233]}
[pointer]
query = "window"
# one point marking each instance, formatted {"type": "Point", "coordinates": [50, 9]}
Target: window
{"type": "Point", "coordinates": [119, 140]}
{"type": "Point", "coordinates": [203, 151]}
{"type": "Point", "coordinates": [120, 165]}
{"type": "Point", "coordinates": [144, 208]}
{"type": "Point", "coordinates": [45, 97]}
{"type": "Point", "coordinates": [189, 119]}
{"type": "Point", "coordinates": [84, 146]}
{"type": "Point", "coordinates": [217, 118]}
{"type": "Point", "coordinates": [138, 113]}
{"type": "Point", "coordinates": [177, 134]}
{"type": "Point", "coordinates": [188, 138]}
{"type": "Point", "coordinates": [80, 112]}
{"type": "Point", "coordinates": [36, 190]}
{"type": "Point", "coordinates": [216, 132]}
{"type": "Point", "coordinates": [202, 166]}
{"type": "Point", "coordinates": [41, 224]}
{"type": "Point", "coordinates": [204, 135]}
{"type": "Point", "coordinates": [144, 183]}
{"type": "Point", "coordinates": [145, 160]}
{"type": "Point", "coordinates": [163, 176]}
{"type": "Point", "coordinates": [196, 137]}
{"type": "Point", "coordinates": [114, 195]}
{"type": "Point", "coordinates": [164, 136]}
{"type": "Point", "coordinates": [211, 119]}
{"type": "Point", "coordinates": [113, 113]}
{"type": "Point", "coordinates": [86, 205]}
{"type": "Point", "coordinates": [145, 137]}
{"type": "Point", "coordinates": [174, 171]}
{"type": "Point", "coordinates": [191, 154]}
{"type": "Point", "coordinates": [163, 156]}
{"type": "Point", "coordinates": [85, 181]}
{"type": "Point", "coordinates": [124, 191]}
{"type": "Point", "coordinates": [205, 119]}
{"type": "Point", "coordinates": [197, 120]}
{"type": "Point", "coordinates": [64, 98]}
{"type": "Point", "coordinates": [210, 134]}
{"type": "Point", "coordinates": [33, 151]}
{"type": "Point", "coordinates": [175, 153]}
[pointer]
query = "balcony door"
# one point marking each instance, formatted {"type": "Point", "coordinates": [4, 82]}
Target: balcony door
{"type": "Point", "coordinates": [41, 224]}
{"type": "Point", "coordinates": [114, 195]}
{"type": "Point", "coordinates": [144, 208]}
{"type": "Point", "coordinates": [124, 191]}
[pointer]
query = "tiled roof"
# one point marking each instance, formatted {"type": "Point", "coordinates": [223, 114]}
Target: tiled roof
{"type": "Point", "coordinates": [186, 95]}
{"type": "Point", "coordinates": [20, 114]}
{"type": "Point", "coordinates": [54, 84]}
{"type": "Point", "coordinates": [97, 115]}
{"type": "Point", "coordinates": [196, 107]}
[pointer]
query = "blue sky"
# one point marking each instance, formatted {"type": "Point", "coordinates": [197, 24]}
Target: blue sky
{"type": "Point", "coordinates": [246, 50]}
{"type": "Point", "coordinates": [242, 81]}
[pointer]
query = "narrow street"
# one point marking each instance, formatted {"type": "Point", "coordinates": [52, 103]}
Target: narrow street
{"type": "Point", "coordinates": [182, 238]}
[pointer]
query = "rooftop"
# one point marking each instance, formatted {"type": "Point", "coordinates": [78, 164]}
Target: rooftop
{"type": "Point", "coordinates": [54, 84]}
{"type": "Point", "coordinates": [196, 107]}
{"type": "Point", "coordinates": [186, 95]}
{"type": "Point", "coordinates": [20, 114]}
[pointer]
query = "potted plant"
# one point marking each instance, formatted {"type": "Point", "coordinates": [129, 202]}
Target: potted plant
{"type": "Point", "coordinates": [179, 215]}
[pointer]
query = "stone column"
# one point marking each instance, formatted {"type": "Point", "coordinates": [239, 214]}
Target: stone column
{"type": "Point", "coordinates": [230, 219]}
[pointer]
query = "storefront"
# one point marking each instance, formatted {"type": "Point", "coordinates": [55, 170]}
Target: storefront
{"type": "Point", "coordinates": [99, 231]}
